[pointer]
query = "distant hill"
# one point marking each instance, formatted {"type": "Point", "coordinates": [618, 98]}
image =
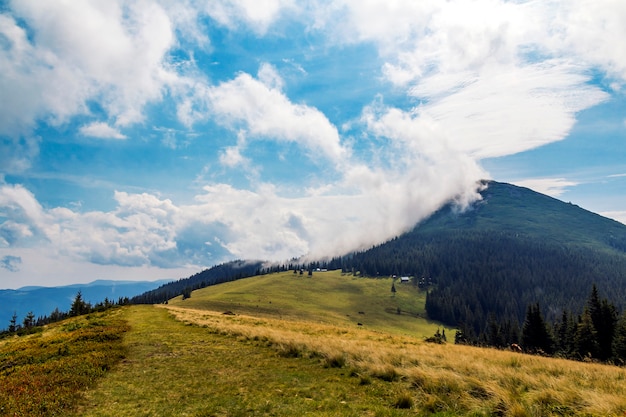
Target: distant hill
{"type": "Point", "coordinates": [513, 248]}
{"type": "Point", "coordinates": [43, 300]}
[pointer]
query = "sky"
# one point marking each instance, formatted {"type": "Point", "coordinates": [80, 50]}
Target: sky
{"type": "Point", "coordinates": [151, 139]}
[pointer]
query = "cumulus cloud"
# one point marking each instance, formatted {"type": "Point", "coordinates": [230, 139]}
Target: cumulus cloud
{"type": "Point", "coordinates": [61, 55]}
{"type": "Point", "coordinates": [263, 111]}
{"type": "Point", "coordinates": [101, 130]}
{"type": "Point", "coordinates": [224, 222]}
{"type": "Point", "coordinates": [139, 232]}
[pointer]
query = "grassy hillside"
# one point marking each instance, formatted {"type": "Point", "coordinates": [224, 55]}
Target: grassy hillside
{"type": "Point", "coordinates": [327, 297]}
{"type": "Point", "coordinates": [44, 374]}
{"type": "Point", "coordinates": [187, 358]}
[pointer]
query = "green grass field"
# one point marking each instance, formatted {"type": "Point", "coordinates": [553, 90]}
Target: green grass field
{"type": "Point", "coordinates": [326, 297]}
{"type": "Point", "coordinates": [292, 347]}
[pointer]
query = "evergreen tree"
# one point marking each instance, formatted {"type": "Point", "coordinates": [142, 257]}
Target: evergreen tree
{"type": "Point", "coordinates": [604, 318]}
{"type": "Point", "coordinates": [29, 320]}
{"type": "Point", "coordinates": [510, 332]}
{"type": "Point", "coordinates": [186, 293]}
{"type": "Point", "coordinates": [565, 331]}
{"type": "Point", "coordinates": [13, 323]}
{"type": "Point", "coordinates": [535, 334]}
{"type": "Point", "coordinates": [79, 306]}
{"type": "Point", "coordinates": [619, 340]}
{"type": "Point", "coordinates": [494, 333]}
{"type": "Point", "coordinates": [586, 342]}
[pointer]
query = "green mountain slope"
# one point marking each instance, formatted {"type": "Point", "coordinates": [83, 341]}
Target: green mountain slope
{"type": "Point", "coordinates": [513, 248]}
{"type": "Point", "coordinates": [506, 208]}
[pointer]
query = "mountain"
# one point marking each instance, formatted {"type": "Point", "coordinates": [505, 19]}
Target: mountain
{"type": "Point", "coordinates": [43, 300]}
{"type": "Point", "coordinates": [508, 208]}
{"type": "Point", "coordinates": [513, 248]}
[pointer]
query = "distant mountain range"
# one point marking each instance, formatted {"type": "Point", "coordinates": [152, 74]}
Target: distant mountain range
{"type": "Point", "coordinates": [43, 300]}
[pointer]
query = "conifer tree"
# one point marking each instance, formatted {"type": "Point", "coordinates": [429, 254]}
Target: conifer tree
{"type": "Point", "coordinates": [29, 320]}
{"type": "Point", "coordinates": [79, 306]}
{"type": "Point", "coordinates": [535, 334]}
{"type": "Point", "coordinates": [565, 331]}
{"type": "Point", "coordinates": [13, 323]}
{"type": "Point", "coordinates": [604, 318]}
{"type": "Point", "coordinates": [619, 340]}
{"type": "Point", "coordinates": [585, 341]}
{"type": "Point", "coordinates": [494, 332]}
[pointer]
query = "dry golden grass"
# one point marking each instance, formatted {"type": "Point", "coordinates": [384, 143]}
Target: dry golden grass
{"type": "Point", "coordinates": [447, 379]}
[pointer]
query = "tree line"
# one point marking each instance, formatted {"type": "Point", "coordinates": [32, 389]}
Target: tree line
{"type": "Point", "coordinates": [229, 271]}
{"type": "Point", "coordinates": [598, 333]}
{"type": "Point", "coordinates": [31, 324]}
{"type": "Point", "coordinates": [218, 274]}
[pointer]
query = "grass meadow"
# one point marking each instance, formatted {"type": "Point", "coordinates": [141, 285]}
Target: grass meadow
{"type": "Point", "coordinates": [44, 374]}
{"type": "Point", "coordinates": [433, 379]}
{"type": "Point", "coordinates": [292, 346]}
{"type": "Point", "coordinates": [326, 297]}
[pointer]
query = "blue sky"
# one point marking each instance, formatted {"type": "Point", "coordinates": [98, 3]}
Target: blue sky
{"type": "Point", "coordinates": [150, 139]}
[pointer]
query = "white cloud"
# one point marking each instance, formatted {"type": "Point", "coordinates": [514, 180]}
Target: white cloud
{"type": "Point", "coordinates": [43, 266]}
{"type": "Point", "coordinates": [263, 111]}
{"type": "Point", "coordinates": [256, 14]}
{"type": "Point", "coordinates": [493, 78]}
{"type": "Point", "coordinates": [269, 76]}
{"type": "Point", "coordinates": [101, 130]}
{"type": "Point", "coordinates": [550, 186]}
{"type": "Point", "coordinates": [594, 30]}
{"type": "Point", "coordinates": [139, 232]}
{"type": "Point", "coordinates": [231, 157]}
{"type": "Point", "coordinates": [113, 52]}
